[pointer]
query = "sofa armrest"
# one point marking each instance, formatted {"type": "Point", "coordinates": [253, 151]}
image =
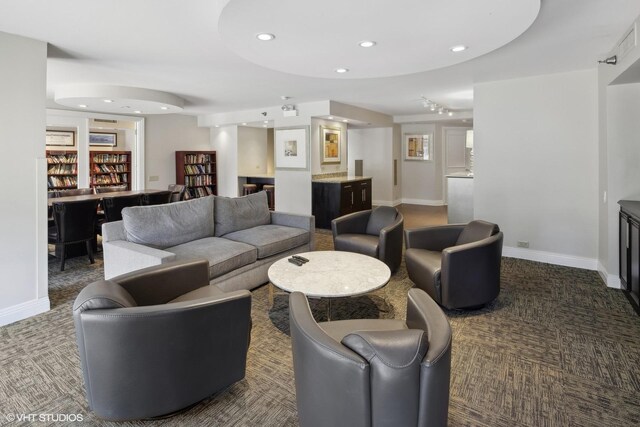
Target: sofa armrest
{"type": "Point", "coordinates": [161, 284]}
{"type": "Point", "coordinates": [113, 231]}
{"type": "Point", "coordinates": [306, 222]}
{"type": "Point", "coordinates": [355, 223]}
{"type": "Point", "coordinates": [122, 257]}
{"type": "Point", "coordinates": [435, 238]}
{"type": "Point", "coordinates": [390, 250]}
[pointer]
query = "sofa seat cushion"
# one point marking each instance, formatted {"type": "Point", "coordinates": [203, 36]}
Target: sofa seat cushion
{"type": "Point", "coordinates": [360, 243]}
{"type": "Point", "coordinates": [223, 255]}
{"type": "Point", "coordinates": [240, 213]}
{"type": "Point", "coordinates": [203, 292]}
{"type": "Point", "coordinates": [423, 267]}
{"type": "Point", "coordinates": [164, 226]}
{"type": "Point", "coordinates": [271, 239]}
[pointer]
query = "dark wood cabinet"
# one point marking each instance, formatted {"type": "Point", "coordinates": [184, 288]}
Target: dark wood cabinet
{"type": "Point", "coordinates": [629, 243]}
{"type": "Point", "coordinates": [334, 198]}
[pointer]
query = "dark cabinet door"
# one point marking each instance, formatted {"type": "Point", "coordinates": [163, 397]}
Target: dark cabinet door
{"type": "Point", "coordinates": [624, 249]}
{"type": "Point", "coordinates": [364, 195]}
{"type": "Point", "coordinates": [347, 198]}
{"type": "Point", "coordinates": [633, 283]}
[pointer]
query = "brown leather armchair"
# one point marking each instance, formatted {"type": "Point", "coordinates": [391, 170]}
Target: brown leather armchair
{"type": "Point", "coordinates": [160, 339]}
{"type": "Point", "coordinates": [377, 233]}
{"type": "Point", "coordinates": [375, 372]}
{"type": "Point", "coordinates": [458, 265]}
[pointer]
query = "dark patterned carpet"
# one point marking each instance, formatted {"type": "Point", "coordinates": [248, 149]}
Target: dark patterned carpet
{"type": "Point", "coordinates": [557, 348]}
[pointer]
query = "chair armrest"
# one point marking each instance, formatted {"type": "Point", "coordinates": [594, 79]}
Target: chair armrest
{"type": "Point", "coordinates": [306, 222]}
{"type": "Point", "coordinates": [470, 273]}
{"type": "Point", "coordinates": [122, 257]}
{"type": "Point", "coordinates": [163, 283]}
{"type": "Point", "coordinates": [435, 238]}
{"type": "Point", "coordinates": [390, 249]}
{"type": "Point", "coordinates": [355, 223]}
{"type": "Point", "coordinates": [321, 367]}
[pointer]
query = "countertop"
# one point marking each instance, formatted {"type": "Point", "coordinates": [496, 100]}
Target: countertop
{"type": "Point", "coordinates": [630, 206]}
{"type": "Point", "coordinates": [341, 179]}
{"type": "Point", "coordinates": [257, 175]}
{"type": "Point", "coordinates": [460, 175]}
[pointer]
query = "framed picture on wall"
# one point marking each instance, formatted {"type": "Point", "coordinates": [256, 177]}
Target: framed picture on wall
{"type": "Point", "coordinates": [66, 138]}
{"type": "Point", "coordinates": [103, 139]}
{"type": "Point", "coordinates": [330, 145]}
{"type": "Point", "coordinates": [292, 148]}
{"type": "Point", "coordinates": [418, 146]}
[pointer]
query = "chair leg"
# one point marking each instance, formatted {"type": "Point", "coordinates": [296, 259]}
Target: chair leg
{"type": "Point", "coordinates": [63, 256]}
{"type": "Point", "coordinates": [90, 251]}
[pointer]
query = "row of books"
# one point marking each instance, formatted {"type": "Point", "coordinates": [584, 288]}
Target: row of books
{"type": "Point", "coordinates": [192, 181]}
{"type": "Point", "coordinates": [104, 168]}
{"type": "Point", "coordinates": [197, 158]}
{"type": "Point", "coordinates": [111, 158]}
{"type": "Point", "coordinates": [62, 158]}
{"type": "Point", "coordinates": [195, 169]}
{"type": "Point", "coordinates": [112, 178]}
{"type": "Point", "coordinates": [193, 193]}
{"type": "Point", "coordinates": [62, 168]}
{"type": "Point", "coordinates": [62, 181]}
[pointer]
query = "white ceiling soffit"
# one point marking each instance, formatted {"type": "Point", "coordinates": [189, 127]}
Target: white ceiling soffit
{"type": "Point", "coordinates": [118, 99]}
{"type": "Point", "coordinates": [411, 36]}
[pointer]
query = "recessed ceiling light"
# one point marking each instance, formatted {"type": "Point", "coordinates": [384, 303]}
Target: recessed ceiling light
{"type": "Point", "coordinates": [367, 43]}
{"type": "Point", "coordinates": [345, 120]}
{"type": "Point", "coordinates": [265, 37]}
{"type": "Point", "coordinates": [217, 126]}
{"type": "Point", "coordinates": [108, 101]}
{"type": "Point", "coordinates": [82, 105]}
{"type": "Point", "coordinates": [266, 121]}
{"type": "Point", "coordinates": [342, 70]}
{"type": "Point", "coordinates": [164, 108]}
{"type": "Point", "coordinates": [138, 112]}
{"type": "Point", "coordinates": [330, 117]}
{"type": "Point", "coordinates": [458, 48]}
{"type": "Point", "coordinates": [244, 124]}
{"type": "Point", "coordinates": [450, 113]}
{"type": "Point", "coordinates": [264, 126]}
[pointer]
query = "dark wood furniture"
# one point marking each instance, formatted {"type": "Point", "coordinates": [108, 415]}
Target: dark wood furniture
{"type": "Point", "coordinates": [629, 241]}
{"type": "Point", "coordinates": [109, 168]}
{"type": "Point", "coordinates": [197, 171]}
{"type": "Point", "coordinates": [74, 223]}
{"type": "Point", "coordinates": [99, 196]}
{"type": "Point", "coordinates": [62, 170]}
{"type": "Point", "coordinates": [333, 198]}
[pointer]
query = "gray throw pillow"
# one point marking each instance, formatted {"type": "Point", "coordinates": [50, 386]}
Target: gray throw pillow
{"type": "Point", "coordinates": [163, 226]}
{"type": "Point", "coordinates": [240, 213]}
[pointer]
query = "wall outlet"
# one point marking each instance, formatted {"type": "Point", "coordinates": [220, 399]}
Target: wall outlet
{"type": "Point", "coordinates": [523, 243]}
{"type": "Point", "coordinates": [154, 178]}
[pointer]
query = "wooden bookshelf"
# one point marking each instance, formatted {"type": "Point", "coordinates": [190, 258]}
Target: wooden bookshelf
{"type": "Point", "coordinates": [196, 170]}
{"type": "Point", "coordinates": [62, 170]}
{"type": "Point", "coordinates": [110, 168]}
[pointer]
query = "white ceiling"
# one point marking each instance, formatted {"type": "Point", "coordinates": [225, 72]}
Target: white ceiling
{"type": "Point", "coordinates": [177, 47]}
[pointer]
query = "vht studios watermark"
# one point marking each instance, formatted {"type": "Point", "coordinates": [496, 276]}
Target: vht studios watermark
{"type": "Point", "coordinates": [65, 418]}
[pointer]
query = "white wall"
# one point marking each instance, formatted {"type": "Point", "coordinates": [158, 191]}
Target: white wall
{"type": "Point", "coordinates": [316, 147]}
{"type": "Point", "coordinates": [536, 163]}
{"type": "Point", "coordinates": [224, 141]}
{"type": "Point", "coordinates": [623, 154]}
{"type": "Point", "coordinates": [422, 180]}
{"type": "Point", "coordinates": [293, 187]}
{"type": "Point", "coordinates": [23, 254]}
{"type": "Point", "coordinates": [164, 135]}
{"type": "Point", "coordinates": [374, 146]}
{"type": "Point", "coordinates": [252, 149]}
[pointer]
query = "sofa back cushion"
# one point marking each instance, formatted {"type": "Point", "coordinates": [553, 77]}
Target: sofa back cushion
{"type": "Point", "coordinates": [163, 226]}
{"type": "Point", "coordinates": [477, 230]}
{"type": "Point", "coordinates": [240, 213]}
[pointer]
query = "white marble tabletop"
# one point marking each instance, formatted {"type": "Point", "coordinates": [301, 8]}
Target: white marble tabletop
{"type": "Point", "coordinates": [330, 274]}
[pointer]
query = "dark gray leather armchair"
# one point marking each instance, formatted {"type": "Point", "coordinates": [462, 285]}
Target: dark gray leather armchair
{"type": "Point", "coordinates": [376, 372]}
{"type": "Point", "coordinates": [160, 339]}
{"type": "Point", "coordinates": [377, 233]}
{"type": "Point", "coordinates": [458, 265]}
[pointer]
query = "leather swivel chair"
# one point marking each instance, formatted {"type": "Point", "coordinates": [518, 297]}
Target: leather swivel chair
{"type": "Point", "coordinates": [113, 206]}
{"type": "Point", "coordinates": [156, 198]}
{"type": "Point", "coordinates": [158, 340]}
{"type": "Point", "coordinates": [75, 222]}
{"type": "Point", "coordinates": [377, 233]}
{"type": "Point", "coordinates": [458, 265]}
{"type": "Point", "coordinates": [376, 372]}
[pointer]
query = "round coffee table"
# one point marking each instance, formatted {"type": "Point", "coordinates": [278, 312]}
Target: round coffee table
{"type": "Point", "coordinates": [329, 274]}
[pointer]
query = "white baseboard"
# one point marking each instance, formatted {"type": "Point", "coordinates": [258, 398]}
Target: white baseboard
{"type": "Point", "coordinates": [381, 203]}
{"type": "Point", "coordinates": [424, 202]}
{"type": "Point", "coordinates": [611, 280]}
{"type": "Point", "coordinates": [551, 258]}
{"type": "Point", "coordinates": [24, 310]}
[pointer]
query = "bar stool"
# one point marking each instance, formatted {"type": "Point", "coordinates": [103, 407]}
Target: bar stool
{"type": "Point", "coordinates": [271, 192]}
{"type": "Point", "coordinates": [249, 189]}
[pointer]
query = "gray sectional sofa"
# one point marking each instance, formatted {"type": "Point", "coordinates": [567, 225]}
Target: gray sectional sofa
{"type": "Point", "coordinates": [239, 237]}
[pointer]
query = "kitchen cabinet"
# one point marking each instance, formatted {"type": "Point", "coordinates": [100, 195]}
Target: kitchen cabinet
{"type": "Point", "coordinates": [335, 197]}
{"type": "Point", "coordinates": [629, 243]}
